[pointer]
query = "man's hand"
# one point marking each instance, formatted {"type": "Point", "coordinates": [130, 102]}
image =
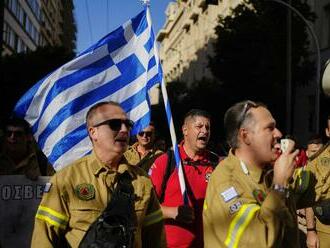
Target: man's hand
{"type": "Point", "coordinates": [312, 240]}
{"type": "Point", "coordinates": [285, 165]}
{"type": "Point", "coordinates": [185, 214]}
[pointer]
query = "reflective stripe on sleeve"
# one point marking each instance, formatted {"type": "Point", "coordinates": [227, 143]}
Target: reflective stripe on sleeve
{"type": "Point", "coordinates": [153, 218]}
{"type": "Point", "coordinates": [239, 224]}
{"type": "Point", "coordinates": [52, 217]}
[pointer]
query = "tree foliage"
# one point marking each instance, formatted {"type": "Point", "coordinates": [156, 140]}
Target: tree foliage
{"type": "Point", "coordinates": [251, 52]}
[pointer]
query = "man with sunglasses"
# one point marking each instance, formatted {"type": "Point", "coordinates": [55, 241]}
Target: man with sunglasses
{"type": "Point", "coordinates": [20, 155]}
{"type": "Point", "coordinates": [183, 222]}
{"type": "Point", "coordinates": [143, 153]}
{"type": "Point", "coordinates": [79, 193]}
{"type": "Point", "coordinates": [251, 199]}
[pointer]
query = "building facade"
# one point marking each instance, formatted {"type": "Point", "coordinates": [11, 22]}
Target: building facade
{"type": "Point", "coordinates": [28, 24]}
{"type": "Point", "coordinates": [185, 47]}
{"type": "Point", "coordinates": [186, 35]}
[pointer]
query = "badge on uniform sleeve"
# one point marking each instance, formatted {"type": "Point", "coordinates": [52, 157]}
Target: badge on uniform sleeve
{"type": "Point", "coordinates": [47, 187]}
{"type": "Point", "coordinates": [235, 207]}
{"type": "Point", "coordinates": [85, 191]}
{"type": "Point", "coordinates": [259, 195]}
{"type": "Point", "coordinates": [229, 194]}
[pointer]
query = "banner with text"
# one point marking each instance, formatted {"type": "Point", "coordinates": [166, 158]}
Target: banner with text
{"type": "Point", "coordinates": [19, 200]}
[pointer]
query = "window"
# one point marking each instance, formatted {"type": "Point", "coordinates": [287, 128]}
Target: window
{"type": "Point", "coordinates": [6, 33]}
{"type": "Point", "coordinates": [14, 6]}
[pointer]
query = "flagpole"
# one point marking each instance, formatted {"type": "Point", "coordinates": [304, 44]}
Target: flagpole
{"type": "Point", "coordinates": [174, 142]}
{"type": "Point", "coordinates": [170, 120]}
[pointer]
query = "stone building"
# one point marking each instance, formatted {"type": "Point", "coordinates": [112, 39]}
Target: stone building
{"type": "Point", "coordinates": [28, 24]}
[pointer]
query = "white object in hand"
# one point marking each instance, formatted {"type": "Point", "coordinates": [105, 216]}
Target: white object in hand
{"type": "Point", "coordinates": [285, 144]}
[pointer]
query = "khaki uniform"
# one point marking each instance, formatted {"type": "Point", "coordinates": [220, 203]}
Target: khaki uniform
{"type": "Point", "coordinates": [319, 165]}
{"type": "Point", "coordinates": [134, 158]}
{"type": "Point", "coordinates": [242, 210]}
{"type": "Point", "coordinates": [78, 195]}
{"type": "Point", "coordinates": [28, 166]}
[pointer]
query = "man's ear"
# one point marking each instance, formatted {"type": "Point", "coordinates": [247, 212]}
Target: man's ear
{"type": "Point", "coordinates": [243, 136]}
{"type": "Point", "coordinates": [327, 132]}
{"type": "Point", "coordinates": [92, 131]}
{"type": "Point", "coordinates": [184, 129]}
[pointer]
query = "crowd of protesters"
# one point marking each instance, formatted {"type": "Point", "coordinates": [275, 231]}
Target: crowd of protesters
{"type": "Point", "coordinates": [254, 194]}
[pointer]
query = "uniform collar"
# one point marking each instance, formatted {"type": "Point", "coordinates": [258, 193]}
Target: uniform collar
{"type": "Point", "coordinates": [135, 148]}
{"type": "Point", "coordinates": [254, 172]}
{"type": "Point", "coordinates": [99, 167]}
{"type": "Point", "coordinates": [204, 156]}
{"type": "Point", "coordinates": [319, 151]}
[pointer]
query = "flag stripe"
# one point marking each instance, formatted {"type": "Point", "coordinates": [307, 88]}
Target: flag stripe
{"type": "Point", "coordinates": [73, 79]}
{"type": "Point", "coordinates": [71, 138]}
{"type": "Point", "coordinates": [64, 127]}
{"type": "Point", "coordinates": [51, 108]}
{"type": "Point", "coordinates": [89, 98]}
{"type": "Point", "coordinates": [33, 113]}
{"type": "Point", "coordinates": [122, 67]}
{"type": "Point", "coordinates": [24, 103]}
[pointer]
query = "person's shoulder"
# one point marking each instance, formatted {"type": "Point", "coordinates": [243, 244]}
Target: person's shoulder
{"type": "Point", "coordinates": [225, 184]}
{"type": "Point", "coordinates": [161, 160]}
{"type": "Point", "coordinates": [322, 155]}
{"type": "Point", "coordinates": [131, 149]}
{"type": "Point", "coordinates": [73, 169]}
{"type": "Point", "coordinates": [158, 152]}
{"type": "Point", "coordinates": [226, 166]}
{"type": "Point", "coordinates": [139, 176]}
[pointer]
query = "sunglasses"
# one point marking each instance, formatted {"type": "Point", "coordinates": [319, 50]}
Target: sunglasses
{"type": "Point", "coordinates": [115, 124]}
{"type": "Point", "coordinates": [9, 133]}
{"type": "Point", "coordinates": [147, 133]}
{"type": "Point", "coordinates": [247, 106]}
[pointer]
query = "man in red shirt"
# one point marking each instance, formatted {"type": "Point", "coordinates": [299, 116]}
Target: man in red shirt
{"type": "Point", "coordinates": [183, 223]}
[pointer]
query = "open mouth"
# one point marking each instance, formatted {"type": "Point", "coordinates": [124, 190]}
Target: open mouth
{"type": "Point", "coordinates": [277, 148]}
{"type": "Point", "coordinates": [202, 138]}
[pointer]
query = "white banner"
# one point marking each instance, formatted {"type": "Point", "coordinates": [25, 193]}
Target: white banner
{"type": "Point", "coordinates": [19, 200]}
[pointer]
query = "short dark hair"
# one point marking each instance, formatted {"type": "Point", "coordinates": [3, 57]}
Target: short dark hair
{"type": "Point", "coordinates": [92, 110]}
{"type": "Point", "coordinates": [17, 122]}
{"type": "Point", "coordinates": [236, 117]}
{"type": "Point", "coordinates": [196, 112]}
{"type": "Point", "coordinates": [315, 139]}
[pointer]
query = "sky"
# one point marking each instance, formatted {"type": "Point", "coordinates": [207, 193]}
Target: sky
{"type": "Point", "coordinates": [107, 15]}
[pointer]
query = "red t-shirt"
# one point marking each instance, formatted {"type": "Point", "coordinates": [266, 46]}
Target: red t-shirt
{"type": "Point", "coordinates": [177, 234]}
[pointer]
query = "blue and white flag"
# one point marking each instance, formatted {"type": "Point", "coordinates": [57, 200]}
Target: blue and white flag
{"type": "Point", "coordinates": [121, 67]}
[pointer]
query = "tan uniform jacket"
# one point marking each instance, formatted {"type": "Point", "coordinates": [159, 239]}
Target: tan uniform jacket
{"type": "Point", "coordinates": [78, 195]}
{"type": "Point", "coordinates": [241, 209]}
{"type": "Point", "coordinates": [134, 158]}
{"type": "Point", "coordinates": [319, 165]}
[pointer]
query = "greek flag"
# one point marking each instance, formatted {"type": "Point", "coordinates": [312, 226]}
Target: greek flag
{"type": "Point", "coordinates": [122, 67]}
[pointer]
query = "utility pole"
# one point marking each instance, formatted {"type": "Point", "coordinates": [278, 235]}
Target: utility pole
{"type": "Point", "coordinates": [2, 9]}
{"type": "Point", "coordinates": [289, 101]}
{"type": "Point", "coordinates": [318, 60]}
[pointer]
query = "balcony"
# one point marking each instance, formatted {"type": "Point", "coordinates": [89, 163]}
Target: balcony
{"type": "Point", "coordinates": [193, 13]}
{"type": "Point", "coordinates": [200, 3]}
{"type": "Point", "coordinates": [161, 35]}
{"type": "Point", "coordinates": [186, 24]}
